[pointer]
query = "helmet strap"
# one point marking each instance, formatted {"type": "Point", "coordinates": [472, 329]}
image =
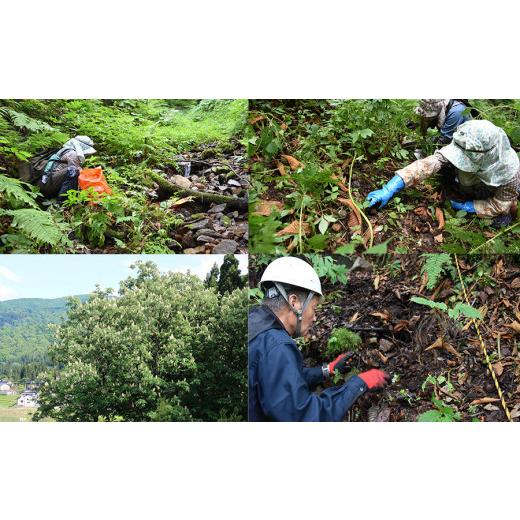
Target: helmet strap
{"type": "Point", "coordinates": [299, 313]}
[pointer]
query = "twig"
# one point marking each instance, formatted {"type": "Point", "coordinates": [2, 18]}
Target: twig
{"type": "Point", "coordinates": [370, 229]}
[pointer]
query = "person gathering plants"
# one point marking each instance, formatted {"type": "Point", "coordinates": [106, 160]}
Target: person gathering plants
{"type": "Point", "coordinates": [480, 168]}
{"type": "Point", "coordinates": [444, 114]}
{"type": "Point", "coordinates": [280, 386]}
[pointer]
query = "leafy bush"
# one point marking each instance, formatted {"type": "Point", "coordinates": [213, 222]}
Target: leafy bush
{"type": "Point", "coordinates": [342, 340]}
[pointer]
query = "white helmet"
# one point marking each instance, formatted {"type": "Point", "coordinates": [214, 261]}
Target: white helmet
{"type": "Point", "coordinates": [292, 271]}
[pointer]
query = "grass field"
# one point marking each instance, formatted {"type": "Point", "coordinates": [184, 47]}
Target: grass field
{"type": "Point", "coordinates": [10, 413]}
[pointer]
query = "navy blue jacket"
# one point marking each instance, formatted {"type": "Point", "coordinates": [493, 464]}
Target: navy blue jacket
{"type": "Point", "coordinates": [279, 384]}
{"type": "Point", "coordinates": [454, 118]}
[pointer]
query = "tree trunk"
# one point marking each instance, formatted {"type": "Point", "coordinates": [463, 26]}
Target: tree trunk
{"type": "Point", "coordinates": [201, 196]}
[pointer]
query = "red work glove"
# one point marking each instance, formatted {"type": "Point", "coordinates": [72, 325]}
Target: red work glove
{"type": "Point", "coordinates": [341, 363]}
{"type": "Point", "coordinates": [375, 378]}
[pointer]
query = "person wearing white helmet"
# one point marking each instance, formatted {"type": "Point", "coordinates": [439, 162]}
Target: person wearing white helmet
{"type": "Point", "coordinates": [61, 171]}
{"type": "Point", "coordinates": [280, 387]}
{"type": "Point", "coordinates": [486, 178]}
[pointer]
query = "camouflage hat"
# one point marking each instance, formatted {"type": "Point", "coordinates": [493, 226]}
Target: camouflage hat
{"type": "Point", "coordinates": [482, 148]}
{"type": "Point", "coordinates": [433, 109]}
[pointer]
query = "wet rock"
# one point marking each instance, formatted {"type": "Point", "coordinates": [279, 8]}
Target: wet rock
{"type": "Point", "coordinates": [220, 208]}
{"type": "Point", "coordinates": [225, 247]}
{"type": "Point", "coordinates": [232, 182]}
{"type": "Point", "coordinates": [206, 239]}
{"type": "Point", "coordinates": [199, 225]}
{"type": "Point", "coordinates": [207, 231]}
{"type": "Point", "coordinates": [181, 181]}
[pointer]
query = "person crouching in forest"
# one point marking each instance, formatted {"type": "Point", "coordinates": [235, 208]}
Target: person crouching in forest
{"type": "Point", "coordinates": [60, 171]}
{"type": "Point", "coordinates": [445, 114]}
{"type": "Point", "coordinates": [279, 384]}
{"type": "Point", "coordinates": [480, 170]}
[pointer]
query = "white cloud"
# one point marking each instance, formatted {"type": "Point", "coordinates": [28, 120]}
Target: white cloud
{"type": "Point", "coordinates": [6, 293]}
{"type": "Point", "coordinates": [9, 275]}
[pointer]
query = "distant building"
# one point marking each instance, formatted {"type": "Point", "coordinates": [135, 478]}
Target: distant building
{"type": "Point", "coordinates": [28, 399]}
{"type": "Point", "coordinates": [7, 388]}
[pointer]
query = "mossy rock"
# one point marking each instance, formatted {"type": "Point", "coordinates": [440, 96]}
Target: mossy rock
{"type": "Point", "coordinates": [342, 340]}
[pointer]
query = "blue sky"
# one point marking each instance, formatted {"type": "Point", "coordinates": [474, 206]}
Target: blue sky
{"type": "Point", "coordinates": [54, 276]}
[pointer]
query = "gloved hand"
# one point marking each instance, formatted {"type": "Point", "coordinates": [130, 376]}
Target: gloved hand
{"type": "Point", "coordinates": [342, 363]}
{"type": "Point", "coordinates": [382, 196]}
{"type": "Point", "coordinates": [375, 379]}
{"type": "Point", "coordinates": [468, 206]}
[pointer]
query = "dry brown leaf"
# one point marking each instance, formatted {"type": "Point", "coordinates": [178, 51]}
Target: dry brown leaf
{"type": "Point", "coordinates": [401, 325]}
{"type": "Point", "coordinates": [294, 228]}
{"type": "Point", "coordinates": [436, 344]}
{"type": "Point", "coordinates": [256, 119]}
{"type": "Point", "coordinates": [498, 368]}
{"type": "Point", "coordinates": [265, 207]}
{"type": "Point", "coordinates": [484, 400]}
{"type": "Point", "coordinates": [440, 217]}
{"type": "Point", "coordinates": [293, 163]}
{"type": "Point", "coordinates": [377, 279]}
{"type": "Point", "coordinates": [438, 238]}
{"type": "Point", "coordinates": [384, 315]}
{"type": "Point", "coordinates": [515, 326]}
{"type": "Point", "coordinates": [336, 227]}
{"type": "Point", "coordinates": [354, 318]}
{"type": "Point", "coordinates": [515, 284]}
{"type": "Point", "coordinates": [182, 201]}
{"type": "Point", "coordinates": [384, 359]}
{"type": "Point", "coordinates": [283, 126]}
{"type": "Point", "coordinates": [421, 211]}
{"type": "Point", "coordinates": [281, 168]}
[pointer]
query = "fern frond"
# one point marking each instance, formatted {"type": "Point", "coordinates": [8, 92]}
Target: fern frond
{"type": "Point", "coordinates": [434, 265]}
{"type": "Point", "coordinates": [38, 225]}
{"type": "Point", "coordinates": [23, 121]}
{"type": "Point", "coordinates": [13, 189]}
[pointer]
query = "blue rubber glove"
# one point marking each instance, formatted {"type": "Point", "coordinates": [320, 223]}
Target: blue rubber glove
{"type": "Point", "coordinates": [382, 196]}
{"type": "Point", "coordinates": [468, 207]}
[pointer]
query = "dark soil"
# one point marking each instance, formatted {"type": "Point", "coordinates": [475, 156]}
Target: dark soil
{"type": "Point", "coordinates": [396, 340]}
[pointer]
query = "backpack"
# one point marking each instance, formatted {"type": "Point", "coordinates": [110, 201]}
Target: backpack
{"type": "Point", "coordinates": [41, 162]}
{"type": "Point", "coordinates": [474, 112]}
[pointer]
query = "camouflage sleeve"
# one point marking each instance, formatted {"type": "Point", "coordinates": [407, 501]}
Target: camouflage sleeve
{"type": "Point", "coordinates": [420, 170]}
{"type": "Point", "coordinates": [501, 202]}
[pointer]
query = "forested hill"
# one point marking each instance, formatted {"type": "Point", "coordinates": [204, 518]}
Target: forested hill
{"type": "Point", "coordinates": [25, 335]}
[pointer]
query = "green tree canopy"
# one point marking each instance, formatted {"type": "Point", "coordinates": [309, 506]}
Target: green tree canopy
{"type": "Point", "coordinates": [164, 348]}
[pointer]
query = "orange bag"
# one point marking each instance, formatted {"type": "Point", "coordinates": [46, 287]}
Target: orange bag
{"type": "Point", "coordinates": [93, 178]}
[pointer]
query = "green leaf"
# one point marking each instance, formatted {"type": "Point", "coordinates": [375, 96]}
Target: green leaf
{"type": "Point", "coordinates": [378, 249]}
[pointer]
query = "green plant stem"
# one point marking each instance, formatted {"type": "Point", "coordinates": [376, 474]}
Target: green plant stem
{"type": "Point", "coordinates": [370, 228]}
{"type": "Point", "coordinates": [494, 238]}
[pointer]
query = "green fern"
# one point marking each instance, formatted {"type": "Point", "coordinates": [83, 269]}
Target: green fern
{"type": "Point", "coordinates": [460, 309]}
{"type": "Point", "coordinates": [23, 121]}
{"type": "Point", "coordinates": [434, 266]}
{"type": "Point", "coordinates": [38, 225]}
{"type": "Point", "coordinates": [13, 190]}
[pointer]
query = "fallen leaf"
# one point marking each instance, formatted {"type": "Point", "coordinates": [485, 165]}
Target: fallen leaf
{"type": "Point", "coordinates": [440, 343]}
{"type": "Point", "coordinates": [283, 126]}
{"type": "Point", "coordinates": [440, 217]}
{"type": "Point", "coordinates": [491, 408]}
{"type": "Point", "coordinates": [294, 229]}
{"type": "Point", "coordinates": [484, 400]}
{"type": "Point", "coordinates": [401, 325]}
{"type": "Point", "coordinates": [256, 119]}
{"type": "Point", "coordinates": [498, 368]}
{"type": "Point", "coordinates": [438, 238]}
{"type": "Point", "coordinates": [515, 284]}
{"type": "Point", "coordinates": [515, 326]}
{"type": "Point", "coordinates": [281, 168]}
{"type": "Point", "coordinates": [293, 163]}
{"type": "Point", "coordinates": [182, 201]}
{"type": "Point", "coordinates": [421, 211]}
{"type": "Point", "coordinates": [265, 207]}
{"type": "Point", "coordinates": [354, 318]}
{"type": "Point", "coordinates": [377, 279]}
{"type": "Point", "coordinates": [384, 359]}
{"type": "Point", "coordinates": [385, 315]}
{"type": "Point", "coordinates": [354, 219]}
